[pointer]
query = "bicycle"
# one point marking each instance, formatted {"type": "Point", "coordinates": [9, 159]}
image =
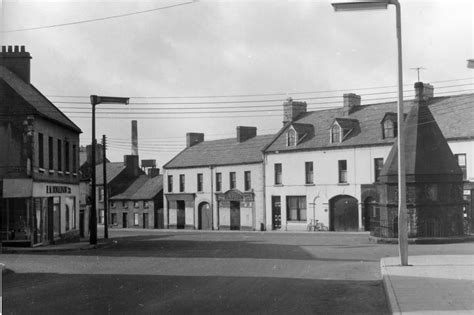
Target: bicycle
{"type": "Point", "coordinates": [315, 225]}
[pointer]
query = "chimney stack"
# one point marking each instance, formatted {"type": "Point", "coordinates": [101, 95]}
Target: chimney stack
{"type": "Point", "coordinates": [292, 109]}
{"type": "Point", "coordinates": [131, 164]}
{"type": "Point", "coordinates": [423, 92]}
{"type": "Point", "coordinates": [245, 133]}
{"type": "Point", "coordinates": [193, 138]}
{"type": "Point", "coordinates": [351, 101]}
{"type": "Point", "coordinates": [17, 60]}
{"type": "Point", "coordinates": [134, 138]}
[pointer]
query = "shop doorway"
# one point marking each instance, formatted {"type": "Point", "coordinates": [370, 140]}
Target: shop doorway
{"type": "Point", "coordinates": [344, 214]}
{"type": "Point", "coordinates": [205, 216]}
{"type": "Point", "coordinates": [180, 214]}
{"type": "Point", "coordinates": [276, 212]}
{"type": "Point", "coordinates": [145, 221]}
{"type": "Point", "coordinates": [124, 220]}
{"type": "Point", "coordinates": [235, 215]}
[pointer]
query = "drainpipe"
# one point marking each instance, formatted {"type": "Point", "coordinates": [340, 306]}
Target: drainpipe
{"type": "Point", "coordinates": [212, 196]}
{"type": "Point", "coordinates": [264, 193]}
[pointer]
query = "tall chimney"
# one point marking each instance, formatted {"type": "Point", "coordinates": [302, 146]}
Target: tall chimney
{"type": "Point", "coordinates": [423, 91]}
{"type": "Point", "coordinates": [17, 60]}
{"type": "Point", "coordinates": [134, 138]}
{"type": "Point", "coordinates": [292, 109]}
{"type": "Point", "coordinates": [351, 101]}
{"type": "Point", "coordinates": [193, 138]}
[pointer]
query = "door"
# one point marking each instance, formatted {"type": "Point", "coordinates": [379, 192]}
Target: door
{"type": "Point", "coordinates": [276, 212]}
{"type": "Point", "coordinates": [180, 214]}
{"type": "Point", "coordinates": [124, 220]}
{"type": "Point", "coordinates": [81, 223]}
{"type": "Point", "coordinates": [145, 220]}
{"type": "Point", "coordinates": [369, 207]}
{"type": "Point", "coordinates": [205, 217]}
{"type": "Point", "coordinates": [344, 214]}
{"type": "Point", "coordinates": [235, 215]}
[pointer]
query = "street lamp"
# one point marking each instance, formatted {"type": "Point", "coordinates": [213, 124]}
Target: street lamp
{"type": "Point", "coordinates": [402, 210]}
{"type": "Point", "coordinates": [93, 215]}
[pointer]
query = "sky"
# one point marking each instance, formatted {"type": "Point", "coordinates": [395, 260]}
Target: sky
{"type": "Point", "coordinates": [209, 66]}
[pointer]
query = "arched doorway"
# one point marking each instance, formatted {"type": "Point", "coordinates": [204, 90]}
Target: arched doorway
{"type": "Point", "coordinates": [343, 214]}
{"type": "Point", "coordinates": [369, 213]}
{"type": "Point", "coordinates": [205, 216]}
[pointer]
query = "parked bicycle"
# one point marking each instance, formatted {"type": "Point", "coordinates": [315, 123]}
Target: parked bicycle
{"type": "Point", "coordinates": [315, 225]}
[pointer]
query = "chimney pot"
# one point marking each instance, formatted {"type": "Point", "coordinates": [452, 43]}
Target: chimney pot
{"type": "Point", "coordinates": [4, 49]}
{"type": "Point", "coordinates": [22, 48]}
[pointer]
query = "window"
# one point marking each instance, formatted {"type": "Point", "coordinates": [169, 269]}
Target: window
{"type": "Point", "coordinates": [335, 134]}
{"type": "Point", "coordinates": [40, 151]}
{"type": "Point", "coordinates": [60, 155]}
{"type": "Point", "coordinates": [342, 171]}
{"type": "Point", "coordinates": [170, 183]}
{"type": "Point", "coordinates": [101, 194]}
{"type": "Point", "coordinates": [74, 158]}
{"type": "Point", "coordinates": [378, 164]}
{"type": "Point", "coordinates": [181, 182]}
{"type": "Point", "coordinates": [124, 204]}
{"type": "Point", "coordinates": [112, 204]}
{"type": "Point", "coordinates": [101, 216]}
{"type": "Point", "coordinates": [199, 182]}
{"type": "Point", "coordinates": [232, 180]}
{"type": "Point", "coordinates": [291, 138]}
{"type": "Point", "coordinates": [146, 204]}
{"type": "Point", "coordinates": [66, 156]}
{"type": "Point", "coordinates": [114, 218]}
{"type": "Point", "coordinates": [462, 164]}
{"type": "Point", "coordinates": [247, 180]}
{"type": "Point", "coordinates": [136, 204]}
{"type": "Point", "coordinates": [135, 219]}
{"type": "Point", "coordinates": [218, 181]}
{"type": "Point", "coordinates": [389, 129]}
{"type": "Point", "coordinates": [278, 173]}
{"type": "Point", "coordinates": [309, 173]}
{"type": "Point", "coordinates": [296, 208]}
{"type": "Point", "coordinates": [50, 153]}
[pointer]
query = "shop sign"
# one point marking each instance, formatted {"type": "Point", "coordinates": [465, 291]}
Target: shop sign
{"type": "Point", "coordinates": [50, 189]}
{"type": "Point", "coordinates": [235, 195]}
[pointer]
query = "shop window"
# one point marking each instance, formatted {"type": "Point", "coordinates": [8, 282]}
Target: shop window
{"type": "Point", "coordinates": [378, 165]}
{"type": "Point", "coordinates": [232, 180]}
{"type": "Point", "coordinates": [278, 173]}
{"type": "Point", "coordinates": [461, 158]}
{"type": "Point", "coordinates": [114, 218]}
{"type": "Point", "coordinates": [248, 180]}
{"type": "Point", "coordinates": [218, 181]}
{"type": "Point", "coordinates": [181, 182]}
{"type": "Point", "coordinates": [135, 219]}
{"type": "Point", "coordinates": [199, 182]}
{"type": "Point", "coordinates": [296, 208]}
{"type": "Point", "coordinates": [309, 173]}
{"type": "Point", "coordinates": [101, 216]}
{"type": "Point", "coordinates": [40, 150]}
{"type": "Point", "coordinates": [170, 183]}
{"type": "Point", "coordinates": [342, 171]}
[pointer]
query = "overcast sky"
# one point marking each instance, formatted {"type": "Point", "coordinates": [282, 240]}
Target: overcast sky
{"type": "Point", "coordinates": [246, 57]}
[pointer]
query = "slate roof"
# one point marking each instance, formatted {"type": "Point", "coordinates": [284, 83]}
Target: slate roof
{"type": "Point", "coordinates": [113, 170]}
{"type": "Point", "coordinates": [454, 115]}
{"type": "Point", "coordinates": [36, 100]}
{"type": "Point", "coordinates": [221, 152]}
{"type": "Point", "coordinates": [143, 188]}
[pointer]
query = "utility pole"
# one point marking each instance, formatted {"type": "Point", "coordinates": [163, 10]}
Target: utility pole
{"type": "Point", "coordinates": [106, 195]}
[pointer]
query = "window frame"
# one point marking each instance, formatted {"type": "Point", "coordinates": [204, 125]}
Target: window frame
{"type": "Point", "coordinates": [60, 155]}
{"type": "Point", "coordinates": [278, 173]}
{"type": "Point", "coordinates": [232, 180]}
{"type": "Point", "coordinates": [389, 131]}
{"type": "Point", "coordinates": [218, 181]}
{"type": "Point", "coordinates": [309, 173]}
{"type": "Point", "coordinates": [377, 169]}
{"type": "Point", "coordinates": [291, 138]}
{"type": "Point", "coordinates": [182, 182]}
{"type": "Point", "coordinates": [247, 180]}
{"type": "Point", "coordinates": [200, 180]}
{"type": "Point", "coordinates": [51, 153]}
{"type": "Point", "coordinates": [301, 209]}
{"type": "Point", "coordinates": [336, 137]}
{"type": "Point", "coordinates": [136, 219]}
{"type": "Point", "coordinates": [170, 183]}
{"type": "Point", "coordinates": [342, 171]}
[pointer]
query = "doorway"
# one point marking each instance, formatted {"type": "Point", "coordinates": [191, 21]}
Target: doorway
{"type": "Point", "coordinates": [276, 212]}
{"type": "Point", "coordinates": [124, 220]}
{"type": "Point", "coordinates": [180, 214]}
{"type": "Point", "coordinates": [145, 220]}
{"type": "Point", "coordinates": [369, 212]}
{"type": "Point", "coordinates": [205, 216]}
{"type": "Point", "coordinates": [235, 215]}
{"type": "Point", "coordinates": [344, 214]}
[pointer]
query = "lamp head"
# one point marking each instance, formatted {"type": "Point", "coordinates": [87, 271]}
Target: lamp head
{"type": "Point", "coordinates": [95, 99]}
{"type": "Point", "coordinates": [361, 5]}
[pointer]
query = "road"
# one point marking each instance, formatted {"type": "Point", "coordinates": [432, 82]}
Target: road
{"type": "Point", "coordinates": [193, 272]}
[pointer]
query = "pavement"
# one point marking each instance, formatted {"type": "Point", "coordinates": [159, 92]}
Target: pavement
{"type": "Point", "coordinates": [82, 245]}
{"type": "Point", "coordinates": [430, 284]}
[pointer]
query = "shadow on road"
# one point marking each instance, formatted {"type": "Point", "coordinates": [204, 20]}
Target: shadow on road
{"type": "Point", "coordinates": [40, 293]}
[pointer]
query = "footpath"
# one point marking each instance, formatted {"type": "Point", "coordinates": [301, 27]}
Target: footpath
{"type": "Point", "coordinates": [436, 284]}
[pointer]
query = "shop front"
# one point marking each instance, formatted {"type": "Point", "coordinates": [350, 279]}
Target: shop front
{"type": "Point", "coordinates": [36, 213]}
{"type": "Point", "coordinates": [236, 210]}
{"type": "Point", "coordinates": [181, 211]}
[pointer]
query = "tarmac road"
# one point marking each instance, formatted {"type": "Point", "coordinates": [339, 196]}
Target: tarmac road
{"type": "Point", "coordinates": [207, 272]}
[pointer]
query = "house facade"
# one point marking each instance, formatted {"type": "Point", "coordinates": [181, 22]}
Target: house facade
{"type": "Point", "coordinates": [39, 197]}
{"type": "Point", "coordinates": [217, 184]}
{"type": "Point", "coordinates": [323, 165]}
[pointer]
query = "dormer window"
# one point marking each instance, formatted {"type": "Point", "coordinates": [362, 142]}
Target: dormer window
{"type": "Point", "coordinates": [335, 134]}
{"type": "Point", "coordinates": [291, 138]}
{"type": "Point", "coordinates": [389, 126]}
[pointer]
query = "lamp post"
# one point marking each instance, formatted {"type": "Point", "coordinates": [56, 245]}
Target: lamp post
{"type": "Point", "coordinates": [93, 215]}
{"type": "Point", "coordinates": [402, 210]}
